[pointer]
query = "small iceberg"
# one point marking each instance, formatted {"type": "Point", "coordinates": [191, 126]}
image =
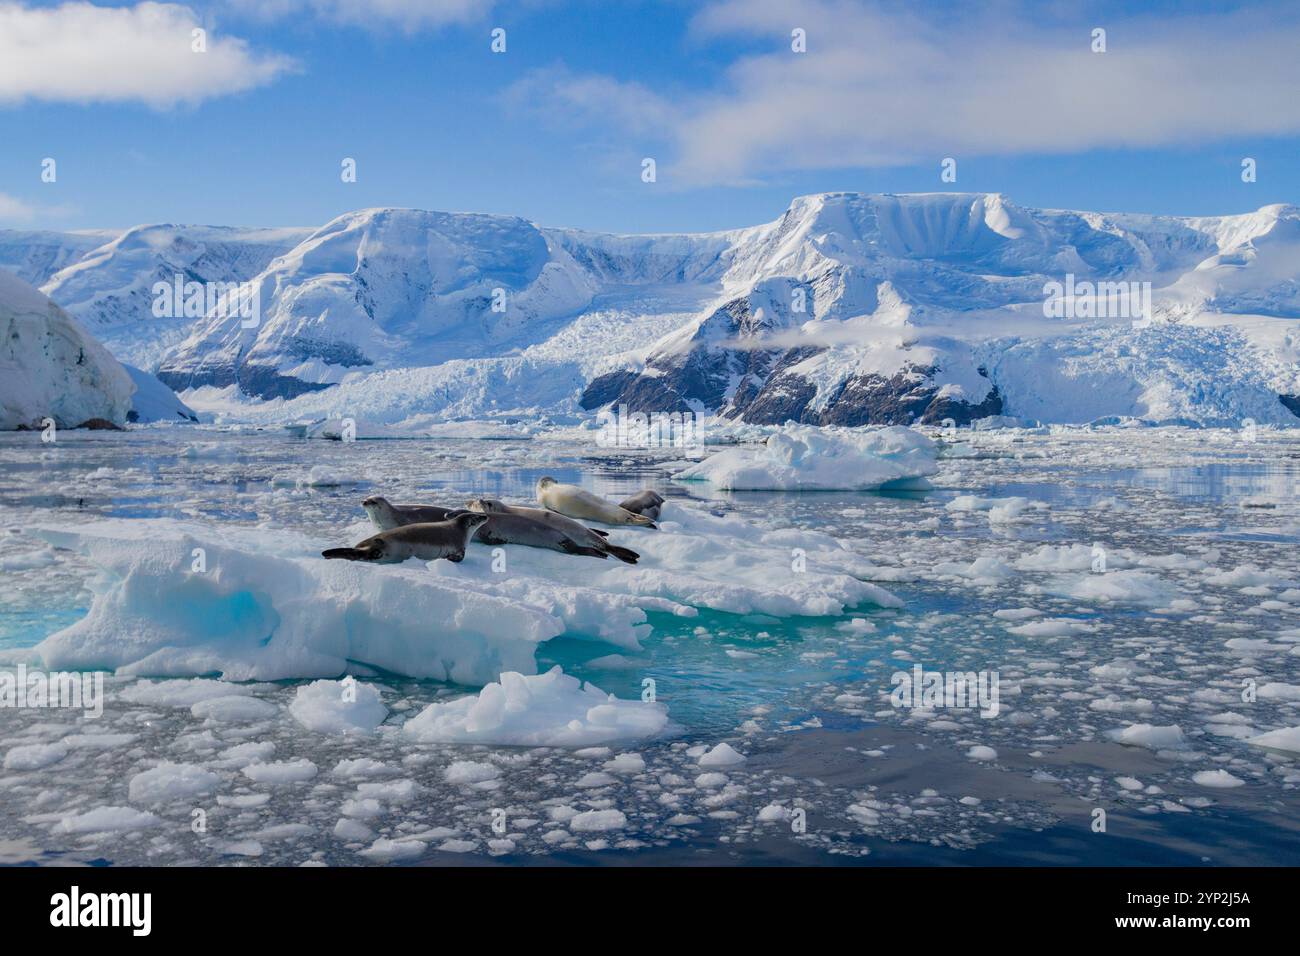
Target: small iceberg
{"type": "Point", "coordinates": [545, 710]}
{"type": "Point", "coordinates": [809, 458]}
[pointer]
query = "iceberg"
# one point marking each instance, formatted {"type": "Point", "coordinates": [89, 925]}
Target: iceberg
{"type": "Point", "coordinates": [184, 599]}
{"type": "Point", "coordinates": [545, 710]}
{"type": "Point", "coordinates": [809, 458]}
{"type": "Point", "coordinates": [51, 367]}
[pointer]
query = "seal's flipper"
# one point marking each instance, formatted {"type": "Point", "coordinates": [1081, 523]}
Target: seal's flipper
{"type": "Point", "coordinates": [350, 554]}
{"type": "Point", "coordinates": [627, 555]}
{"type": "Point", "coordinates": [603, 534]}
{"type": "Point", "coordinates": [569, 547]}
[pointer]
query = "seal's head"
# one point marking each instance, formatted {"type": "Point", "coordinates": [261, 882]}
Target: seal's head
{"type": "Point", "coordinates": [469, 521]}
{"type": "Point", "coordinates": [545, 483]}
{"type": "Point", "coordinates": [485, 506]}
{"type": "Point", "coordinates": [380, 512]}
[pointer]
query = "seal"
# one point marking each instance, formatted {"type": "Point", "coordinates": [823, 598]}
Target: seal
{"type": "Point", "coordinates": [428, 541]}
{"type": "Point", "coordinates": [572, 501]}
{"type": "Point", "coordinates": [506, 528]}
{"type": "Point", "coordinates": [386, 516]}
{"type": "Point", "coordinates": [575, 531]}
{"type": "Point", "coordinates": [502, 528]}
{"type": "Point", "coordinates": [645, 503]}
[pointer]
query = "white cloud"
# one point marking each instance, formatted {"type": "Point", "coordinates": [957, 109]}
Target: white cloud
{"type": "Point", "coordinates": [82, 53]}
{"type": "Point", "coordinates": [409, 15]}
{"type": "Point", "coordinates": [880, 88]}
{"type": "Point", "coordinates": [14, 210]}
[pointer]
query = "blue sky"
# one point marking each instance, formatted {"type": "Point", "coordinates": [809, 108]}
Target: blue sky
{"type": "Point", "coordinates": [252, 132]}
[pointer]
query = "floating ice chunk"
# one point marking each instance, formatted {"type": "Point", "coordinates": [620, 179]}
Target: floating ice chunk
{"type": "Point", "coordinates": [34, 756]}
{"type": "Point", "coordinates": [269, 607]}
{"type": "Point", "coordinates": [29, 560]}
{"type": "Point", "coordinates": [321, 476]}
{"type": "Point", "coordinates": [107, 820]}
{"type": "Point", "coordinates": [723, 755]}
{"type": "Point", "coordinates": [181, 693]}
{"type": "Point", "coordinates": [338, 707]}
{"type": "Point", "coordinates": [1000, 510]}
{"type": "Point", "coordinates": [547, 710]}
{"type": "Point", "coordinates": [981, 752]}
{"type": "Point", "coordinates": [1287, 739]}
{"type": "Point", "coordinates": [808, 458]}
{"type": "Point", "coordinates": [985, 570]}
{"type": "Point", "coordinates": [774, 813]}
{"type": "Point", "coordinates": [1052, 627]}
{"type": "Point", "coordinates": [234, 708]}
{"type": "Point", "coordinates": [470, 772]}
{"type": "Point", "coordinates": [241, 755]}
{"type": "Point", "coordinates": [1220, 779]}
{"type": "Point", "coordinates": [1017, 613]}
{"type": "Point", "coordinates": [598, 821]}
{"type": "Point", "coordinates": [626, 763]}
{"type": "Point", "coordinates": [171, 781]}
{"type": "Point", "coordinates": [1249, 575]}
{"type": "Point", "coordinates": [1114, 587]}
{"type": "Point", "coordinates": [1150, 736]}
{"type": "Point", "coordinates": [1069, 557]}
{"type": "Point", "coordinates": [1275, 690]}
{"type": "Point", "coordinates": [353, 831]}
{"type": "Point", "coordinates": [385, 851]}
{"type": "Point", "coordinates": [284, 771]}
{"type": "Point", "coordinates": [867, 816]}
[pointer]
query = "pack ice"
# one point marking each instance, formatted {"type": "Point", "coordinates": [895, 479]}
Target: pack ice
{"type": "Point", "coordinates": [266, 606]}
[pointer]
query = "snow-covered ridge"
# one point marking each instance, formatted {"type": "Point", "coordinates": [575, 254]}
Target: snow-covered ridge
{"type": "Point", "coordinates": [848, 309]}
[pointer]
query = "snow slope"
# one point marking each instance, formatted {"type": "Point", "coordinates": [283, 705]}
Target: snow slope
{"type": "Point", "coordinates": [849, 309]}
{"type": "Point", "coordinates": [155, 402]}
{"type": "Point", "coordinates": [50, 367]}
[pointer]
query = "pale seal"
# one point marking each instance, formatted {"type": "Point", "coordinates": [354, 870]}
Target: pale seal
{"type": "Point", "coordinates": [428, 541]}
{"type": "Point", "coordinates": [575, 531]}
{"type": "Point", "coordinates": [572, 501]}
{"type": "Point", "coordinates": [645, 503]}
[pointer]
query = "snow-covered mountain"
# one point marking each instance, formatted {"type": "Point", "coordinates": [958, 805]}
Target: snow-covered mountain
{"type": "Point", "coordinates": [849, 309]}
{"type": "Point", "coordinates": [50, 368]}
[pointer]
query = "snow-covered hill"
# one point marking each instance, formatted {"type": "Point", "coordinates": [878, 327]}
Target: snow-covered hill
{"type": "Point", "coordinates": [849, 309]}
{"type": "Point", "coordinates": [50, 368]}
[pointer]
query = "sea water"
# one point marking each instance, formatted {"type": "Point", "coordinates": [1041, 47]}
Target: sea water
{"type": "Point", "coordinates": [1110, 578]}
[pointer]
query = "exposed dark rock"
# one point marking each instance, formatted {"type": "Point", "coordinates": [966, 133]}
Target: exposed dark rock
{"type": "Point", "coordinates": [100, 425]}
{"type": "Point", "coordinates": [767, 393]}
{"type": "Point", "coordinates": [604, 389]}
{"type": "Point", "coordinates": [261, 381]}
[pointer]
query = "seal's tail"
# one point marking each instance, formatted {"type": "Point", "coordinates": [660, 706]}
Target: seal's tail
{"type": "Point", "coordinates": [626, 555]}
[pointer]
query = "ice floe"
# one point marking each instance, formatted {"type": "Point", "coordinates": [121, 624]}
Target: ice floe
{"type": "Point", "coordinates": [807, 458]}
